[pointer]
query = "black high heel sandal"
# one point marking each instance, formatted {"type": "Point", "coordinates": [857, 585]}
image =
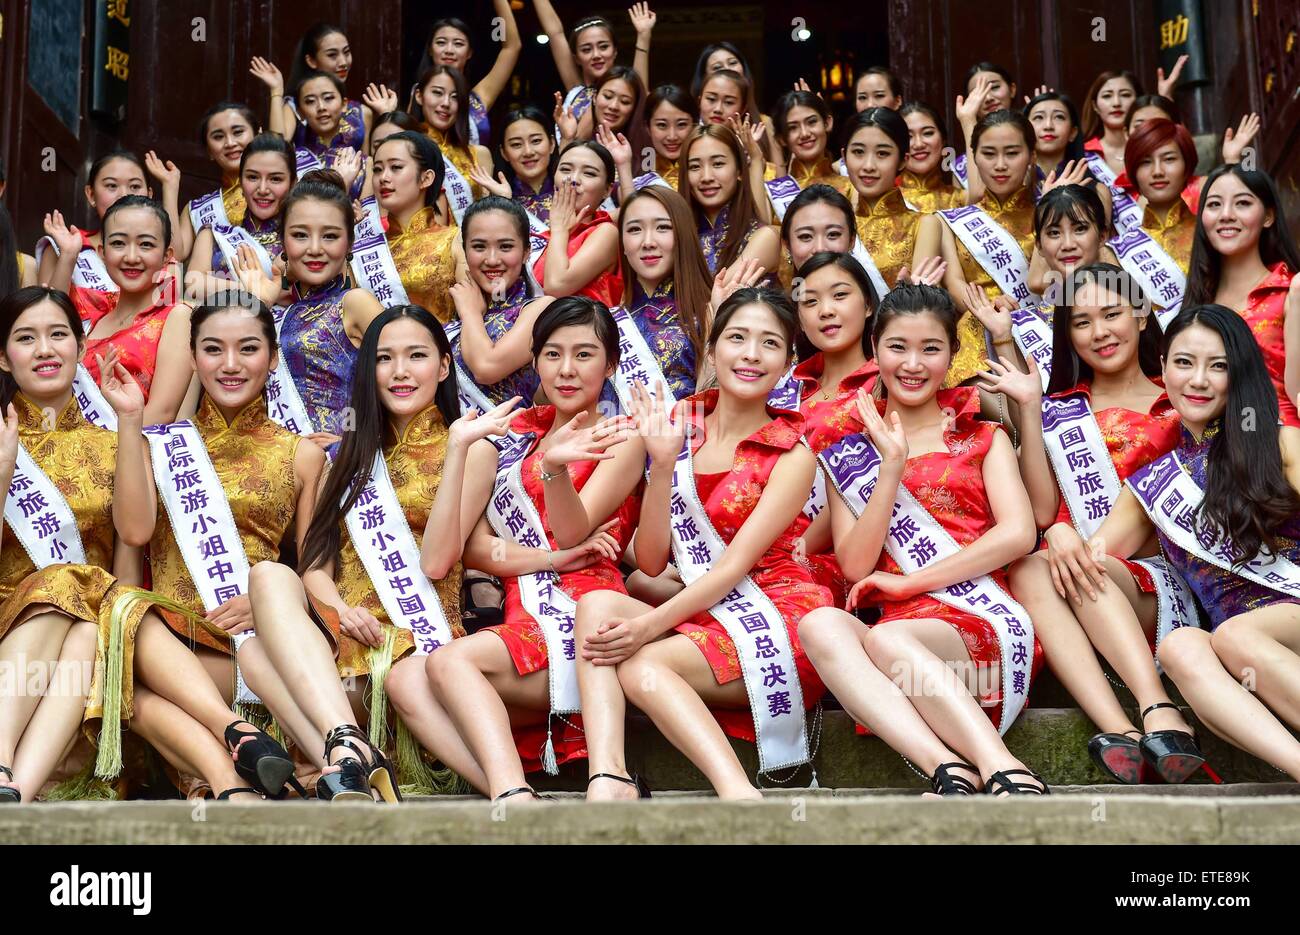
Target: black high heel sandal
{"type": "Point", "coordinates": [636, 782]}
{"type": "Point", "coordinates": [944, 783]}
{"type": "Point", "coordinates": [351, 782]}
{"type": "Point", "coordinates": [233, 791]}
{"type": "Point", "coordinates": [9, 793]}
{"type": "Point", "coordinates": [261, 761]}
{"type": "Point", "coordinates": [1118, 755]}
{"type": "Point", "coordinates": [1173, 754]}
{"type": "Point", "coordinates": [1001, 782]}
{"type": "Point", "coordinates": [517, 790]}
{"type": "Point", "coordinates": [380, 772]}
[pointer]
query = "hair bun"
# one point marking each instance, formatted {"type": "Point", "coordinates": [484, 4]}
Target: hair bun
{"type": "Point", "coordinates": [325, 177]}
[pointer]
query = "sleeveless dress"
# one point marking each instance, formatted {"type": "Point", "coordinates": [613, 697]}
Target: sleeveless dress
{"type": "Point", "coordinates": [656, 318]}
{"type": "Point", "coordinates": [253, 458]}
{"type": "Point", "coordinates": [931, 193]}
{"type": "Point", "coordinates": [1222, 594]}
{"type": "Point", "coordinates": [1265, 312]}
{"type": "Point", "coordinates": [426, 261]}
{"type": "Point", "coordinates": [794, 587]}
{"type": "Point", "coordinates": [137, 343]}
{"type": "Point", "coordinates": [888, 230]}
{"type": "Point", "coordinates": [520, 631]}
{"type": "Point", "coordinates": [715, 235]}
{"type": "Point", "coordinates": [537, 202]}
{"type": "Point", "coordinates": [319, 354]}
{"type": "Point", "coordinates": [607, 287]}
{"type": "Point", "coordinates": [499, 318]}
{"type": "Point", "coordinates": [351, 133]}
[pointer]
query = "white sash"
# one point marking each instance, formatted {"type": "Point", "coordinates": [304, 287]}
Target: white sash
{"type": "Point", "coordinates": [781, 191]}
{"type": "Point", "coordinates": [786, 395]}
{"type": "Point", "coordinates": [40, 517]}
{"type": "Point", "coordinates": [1159, 275]}
{"type": "Point", "coordinates": [89, 272]}
{"type": "Point", "coordinates": [1171, 497]}
{"type": "Point", "coordinates": [636, 361]}
{"type": "Point", "coordinates": [467, 388]}
{"type": "Point", "coordinates": [538, 232]}
{"type": "Point", "coordinates": [230, 239]}
{"type": "Point", "coordinates": [1033, 335]}
{"type": "Point", "coordinates": [513, 516]}
{"type": "Point", "coordinates": [959, 171]}
{"type": "Point", "coordinates": [1090, 486]}
{"type": "Point", "coordinates": [1125, 212]}
{"type": "Point", "coordinates": [94, 407]}
{"type": "Point", "coordinates": [283, 403]}
{"type": "Point", "coordinates": [209, 211]}
{"type": "Point", "coordinates": [459, 195]}
{"type": "Point", "coordinates": [386, 546]}
{"type": "Point", "coordinates": [864, 258]}
{"type": "Point", "coordinates": [372, 262]}
{"type": "Point", "coordinates": [994, 249]}
{"type": "Point", "coordinates": [570, 100]}
{"type": "Point", "coordinates": [917, 540]}
{"type": "Point", "coordinates": [305, 161]}
{"type": "Point", "coordinates": [752, 622]}
{"type": "Point", "coordinates": [202, 524]}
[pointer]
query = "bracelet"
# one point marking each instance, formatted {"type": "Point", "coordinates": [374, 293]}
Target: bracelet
{"type": "Point", "coordinates": [646, 51]}
{"type": "Point", "coordinates": [548, 477]}
{"type": "Point", "coordinates": [1004, 341]}
{"type": "Point", "coordinates": [551, 563]}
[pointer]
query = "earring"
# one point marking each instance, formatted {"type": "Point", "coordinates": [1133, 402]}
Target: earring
{"type": "Point", "coordinates": [284, 282]}
{"type": "Point", "coordinates": [349, 256]}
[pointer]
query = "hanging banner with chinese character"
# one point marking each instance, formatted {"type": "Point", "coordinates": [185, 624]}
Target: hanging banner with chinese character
{"type": "Point", "coordinates": [753, 623]}
{"type": "Point", "coordinates": [1090, 486]}
{"type": "Point", "coordinates": [40, 517]}
{"type": "Point", "coordinates": [994, 249]}
{"type": "Point", "coordinates": [915, 541]}
{"type": "Point", "coordinates": [387, 548]}
{"type": "Point", "coordinates": [202, 523]}
{"type": "Point", "coordinates": [112, 59]}
{"type": "Point", "coordinates": [1180, 29]}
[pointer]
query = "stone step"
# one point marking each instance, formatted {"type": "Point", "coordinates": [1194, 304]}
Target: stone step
{"type": "Point", "coordinates": [1051, 741]}
{"type": "Point", "coordinates": [1074, 815]}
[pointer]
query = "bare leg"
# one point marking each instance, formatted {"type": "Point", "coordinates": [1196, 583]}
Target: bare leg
{"type": "Point", "coordinates": [263, 680]}
{"type": "Point", "coordinates": [1222, 703]}
{"type": "Point", "coordinates": [653, 591]}
{"type": "Point", "coordinates": [1261, 649]}
{"type": "Point", "coordinates": [164, 664]}
{"type": "Point", "coordinates": [1114, 626]}
{"type": "Point", "coordinates": [53, 725]}
{"type": "Point", "coordinates": [413, 698]}
{"type": "Point", "coordinates": [1066, 645]}
{"type": "Point", "coordinates": [922, 654]}
{"type": "Point", "coordinates": [604, 710]}
{"type": "Point", "coordinates": [183, 742]}
{"type": "Point", "coordinates": [836, 642]}
{"type": "Point", "coordinates": [671, 681]}
{"type": "Point", "coordinates": [31, 646]}
{"type": "Point", "coordinates": [475, 681]}
{"type": "Point", "coordinates": [301, 657]}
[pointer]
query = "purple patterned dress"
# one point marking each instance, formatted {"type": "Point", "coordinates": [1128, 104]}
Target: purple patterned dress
{"type": "Point", "coordinates": [267, 233]}
{"type": "Point", "coordinates": [319, 354]}
{"type": "Point", "coordinates": [656, 318]}
{"type": "Point", "coordinates": [351, 133]}
{"type": "Point", "coordinates": [539, 202]}
{"type": "Point", "coordinates": [1223, 594]}
{"type": "Point", "coordinates": [713, 237]}
{"type": "Point", "coordinates": [478, 116]}
{"type": "Point", "coordinates": [500, 318]}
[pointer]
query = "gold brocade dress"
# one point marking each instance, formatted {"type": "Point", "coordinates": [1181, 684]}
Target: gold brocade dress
{"type": "Point", "coordinates": [931, 193]}
{"type": "Point", "coordinates": [415, 466]}
{"type": "Point", "coordinates": [233, 200]}
{"type": "Point", "coordinates": [462, 157]}
{"type": "Point", "coordinates": [79, 459]}
{"type": "Point", "coordinates": [1174, 233]}
{"type": "Point", "coordinates": [888, 230]}
{"type": "Point", "coordinates": [425, 257]}
{"type": "Point", "coordinates": [1016, 214]}
{"type": "Point", "coordinates": [253, 458]}
{"type": "Point", "coordinates": [669, 170]}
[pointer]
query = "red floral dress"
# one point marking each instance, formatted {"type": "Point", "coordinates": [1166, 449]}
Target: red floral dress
{"type": "Point", "coordinates": [793, 587]}
{"type": "Point", "coordinates": [607, 287]}
{"type": "Point", "coordinates": [950, 485]}
{"type": "Point", "coordinates": [521, 633]}
{"type": "Point", "coordinates": [1134, 440]}
{"type": "Point", "coordinates": [826, 421]}
{"type": "Point", "coordinates": [1265, 312]}
{"type": "Point", "coordinates": [137, 342]}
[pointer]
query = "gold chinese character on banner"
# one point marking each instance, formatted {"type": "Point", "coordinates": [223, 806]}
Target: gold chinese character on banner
{"type": "Point", "coordinates": [1173, 32]}
{"type": "Point", "coordinates": [118, 63]}
{"type": "Point", "coordinates": [117, 11]}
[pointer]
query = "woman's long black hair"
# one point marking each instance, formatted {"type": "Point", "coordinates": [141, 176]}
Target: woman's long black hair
{"type": "Point", "coordinates": [1068, 368]}
{"type": "Point", "coordinates": [1247, 494]}
{"type": "Point", "coordinates": [9, 277]}
{"type": "Point", "coordinates": [1275, 243]}
{"type": "Point", "coordinates": [351, 470]}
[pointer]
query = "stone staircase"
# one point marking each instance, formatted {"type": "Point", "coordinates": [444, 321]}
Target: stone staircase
{"type": "Point", "coordinates": [866, 794]}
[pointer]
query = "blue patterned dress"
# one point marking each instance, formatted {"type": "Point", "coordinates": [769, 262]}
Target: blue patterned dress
{"type": "Point", "coordinates": [656, 318]}
{"type": "Point", "coordinates": [1223, 594]}
{"type": "Point", "coordinates": [713, 237]}
{"type": "Point", "coordinates": [319, 355]}
{"type": "Point", "coordinates": [500, 318]}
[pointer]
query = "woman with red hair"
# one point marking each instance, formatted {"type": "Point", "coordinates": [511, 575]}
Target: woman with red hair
{"type": "Point", "coordinates": [1160, 159]}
